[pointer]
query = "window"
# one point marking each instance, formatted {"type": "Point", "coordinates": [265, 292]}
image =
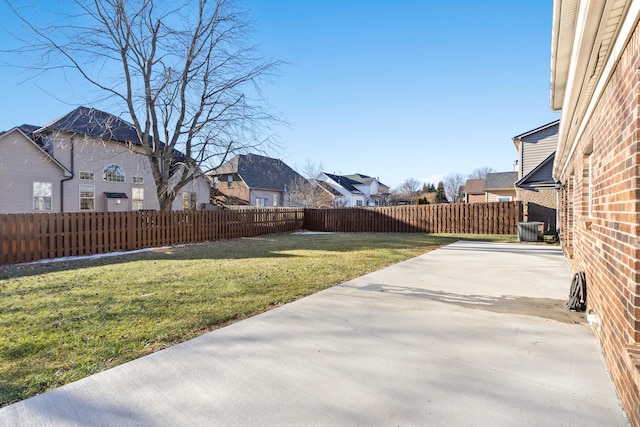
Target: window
{"type": "Point", "coordinates": [230, 181]}
{"type": "Point", "coordinates": [358, 202]}
{"type": "Point", "coordinates": [504, 198]}
{"type": "Point", "coordinates": [137, 180]}
{"type": "Point", "coordinates": [276, 199]}
{"type": "Point", "coordinates": [113, 173]}
{"type": "Point", "coordinates": [42, 194]}
{"type": "Point", "coordinates": [261, 201]}
{"type": "Point", "coordinates": [215, 182]}
{"type": "Point", "coordinates": [87, 176]}
{"type": "Point", "coordinates": [188, 201]}
{"type": "Point", "coordinates": [137, 198]}
{"type": "Point", "coordinates": [87, 197]}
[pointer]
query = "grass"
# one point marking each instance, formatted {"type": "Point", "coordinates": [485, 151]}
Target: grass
{"type": "Point", "coordinates": [62, 321]}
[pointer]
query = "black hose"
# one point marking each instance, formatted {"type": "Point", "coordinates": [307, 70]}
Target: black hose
{"type": "Point", "coordinates": [578, 293]}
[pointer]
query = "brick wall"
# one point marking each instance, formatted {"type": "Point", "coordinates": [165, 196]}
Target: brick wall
{"type": "Point", "coordinates": [541, 205]}
{"type": "Point", "coordinates": [238, 190]}
{"type": "Point", "coordinates": [604, 243]}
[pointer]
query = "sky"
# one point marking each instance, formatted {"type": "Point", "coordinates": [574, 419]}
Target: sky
{"type": "Point", "coordinates": [394, 90]}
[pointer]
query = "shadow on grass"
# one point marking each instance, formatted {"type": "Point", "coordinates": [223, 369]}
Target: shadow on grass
{"type": "Point", "coordinates": [268, 246]}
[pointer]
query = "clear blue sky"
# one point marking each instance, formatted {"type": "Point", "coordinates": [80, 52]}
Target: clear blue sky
{"type": "Point", "coordinates": [396, 90]}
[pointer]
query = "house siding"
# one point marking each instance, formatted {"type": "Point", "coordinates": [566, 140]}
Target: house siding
{"type": "Point", "coordinates": [24, 163]}
{"type": "Point", "coordinates": [93, 155]}
{"type": "Point", "coordinates": [493, 195]}
{"type": "Point", "coordinates": [605, 244]}
{"type": "Point", "coordinates": [536, 148]}
{"type": "Point", "coordinates": [544, 174]}
{"type": "Point", "coordinates": [476, 198]}
{"type": "Point", "coordinates": [21, 164]}
{"type": "Point", "coordinates": [266, 194]}
{"type": "Point", "coordinates": [239, 188]}
{"type": "Point", "coordinates": [200, 186]}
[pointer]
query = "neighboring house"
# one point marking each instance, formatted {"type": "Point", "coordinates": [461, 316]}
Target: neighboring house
{"type": "Point", "coordinates": [357, 189]}
{"type": "Point", "coordinates": [473, 192]}
{"type": "Point", "coordinates": [535, 185]}
{"type": "Point", "coordinates": [375, 192]}
{"type": "Point", "coordinates": [329, 197]}
{"type": "Point", "coordinates": [87, 160]}
{"type": "Point", "coordinates": [499, 186]}
{"type": "Point", "coordinates": [350, 195]}
{"type": "Point", "coordinates": [595, 58]}
{"type": "Point", "coordinates": [254, 180]}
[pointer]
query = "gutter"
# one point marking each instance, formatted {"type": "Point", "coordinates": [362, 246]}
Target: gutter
{"type": "Point", "coordinates": [62, 181]}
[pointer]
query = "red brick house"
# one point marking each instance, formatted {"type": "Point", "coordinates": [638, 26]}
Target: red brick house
{"type": "Point", "coordinates": [473, 192]}
{"type": "Point", "coordinates": [595, 82]}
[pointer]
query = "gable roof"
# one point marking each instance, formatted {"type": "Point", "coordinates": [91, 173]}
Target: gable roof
{"type": "Point", "coordinates": [474, 186]}
{"type": "Point", "coordinates": [500, 180]}
{"type": "Point", "coordinates": [23, 130]}
{"type": "Point", "coordinates": [538, 129]}
{"type": "Point", "coordinates": [94, 123]}
{"type": "Point", "coordinates": [541, 174]}
{"type": "Point", "coordinates": [345, 182]}
{"type": "Point", "coordinates": [329, 188]}
{"type": "Point", "coordinates": [259, 172]}
{"type": "Point", "coordinates": [364, 179]}
{"type": "Point", "coordinates": [546, 130]}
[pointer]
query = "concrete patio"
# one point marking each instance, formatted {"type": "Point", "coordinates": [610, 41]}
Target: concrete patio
{"type": "Point", "coordinates": [470, 334]}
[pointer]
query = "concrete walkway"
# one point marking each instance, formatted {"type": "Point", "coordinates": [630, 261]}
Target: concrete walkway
{"type": "Point", "coordinates": [472, 334]}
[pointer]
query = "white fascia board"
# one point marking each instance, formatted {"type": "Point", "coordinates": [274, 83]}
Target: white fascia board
{"type": "Point", "coordinates": [630, 21]}
{"type": "Point", "coordinates": [587, 23]}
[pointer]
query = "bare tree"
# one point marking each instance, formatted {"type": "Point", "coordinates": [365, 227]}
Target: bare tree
{"type": "Point", "coordinates": [183, 72]}
{"type": "Point", "coordinates": [305, 191]}
{"type": "Point", "coordinates": [481, 173]}
{"type": "Point", "coordinates": [310, 169]}
{"type": "Point", "coordinates": [409, 189]}
{"type": "Point", "coordinates": [308, 193]}
{"type": "Point", "coordinates": [452, 186]}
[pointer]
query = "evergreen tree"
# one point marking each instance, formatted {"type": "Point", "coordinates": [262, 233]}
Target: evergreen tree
{"type": "Point", "coordinates": [441, 196]}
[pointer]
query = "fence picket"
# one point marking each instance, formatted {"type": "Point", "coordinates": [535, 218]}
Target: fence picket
{"type": "Point", "coordinates": [29, 237]}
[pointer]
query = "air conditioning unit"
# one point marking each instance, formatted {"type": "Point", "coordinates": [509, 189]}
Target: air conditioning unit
{"type": "Point", "coordinates": [530, 231]}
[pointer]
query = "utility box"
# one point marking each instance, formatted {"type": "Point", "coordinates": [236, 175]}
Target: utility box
{"type": "Point", "coordinates": [530, 231]}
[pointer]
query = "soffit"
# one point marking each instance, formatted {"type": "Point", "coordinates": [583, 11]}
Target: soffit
{"type": "Point", "coordinates": [565, 13]}
{"type": "Point", "coordinates": [599, 24]}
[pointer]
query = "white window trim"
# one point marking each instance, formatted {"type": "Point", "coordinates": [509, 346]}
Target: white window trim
{"type": "Point", "coordinates": [116, 167]}
{"type": "Point", "coordinates": [189, 195]}
{"type": "Point", "coordinates": [93, 188]}
{"type": "Point", "coordinates": [134, 199]}
{"type": "Point", "coordinates": [91, 174]}
{"type": "Point", "coordinates": [33, 196]}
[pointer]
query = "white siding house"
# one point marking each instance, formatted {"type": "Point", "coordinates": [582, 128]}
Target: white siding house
{"type": "Point", "coordinates": [351, 196]}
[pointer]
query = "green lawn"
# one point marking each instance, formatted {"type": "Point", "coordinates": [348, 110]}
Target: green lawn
{"type": "Point", "coordinates": [62, 321]}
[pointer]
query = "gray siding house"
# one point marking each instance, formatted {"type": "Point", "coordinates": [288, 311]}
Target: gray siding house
{"type": "Point", "coordinates": [87, 160]}
{"type": "Point", "coordinates": [535, 185]}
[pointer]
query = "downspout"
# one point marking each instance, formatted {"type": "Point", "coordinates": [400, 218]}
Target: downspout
{"type": "Point", "coordinates": [68, 178]}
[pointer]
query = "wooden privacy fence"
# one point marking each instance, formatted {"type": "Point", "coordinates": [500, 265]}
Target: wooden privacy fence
{"type": "Point", "coordinates": [30, 237]}
{"type": "Point", "coordinates": [473, 218]}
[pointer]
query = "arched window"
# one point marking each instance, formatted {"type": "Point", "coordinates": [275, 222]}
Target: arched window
{"type": "Point", "coordinates": [113, 173]}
